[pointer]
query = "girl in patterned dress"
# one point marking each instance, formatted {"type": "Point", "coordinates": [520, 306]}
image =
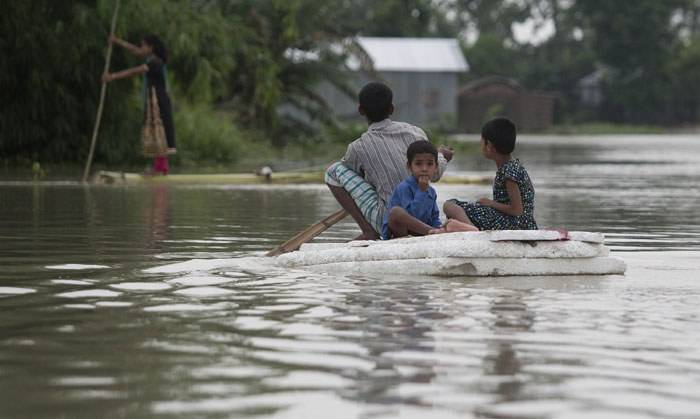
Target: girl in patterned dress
{"type": "Point", "coordinates": [513, 203]}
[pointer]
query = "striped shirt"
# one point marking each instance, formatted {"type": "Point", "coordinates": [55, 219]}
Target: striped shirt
{"type": "Point", "coordinates": [379, 156]}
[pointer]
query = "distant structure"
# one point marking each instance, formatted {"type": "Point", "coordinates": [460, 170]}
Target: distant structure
{"type": "Point", "coordinates": [422, 72]}
{"type": "Point", "coordinates": [591, 88]}
{"type": "Point", "coordinates": [591, 92]}
{"type": "Point", "coordinates": [488, 97]}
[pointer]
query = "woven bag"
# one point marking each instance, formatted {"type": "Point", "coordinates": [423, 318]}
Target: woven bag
{"type": "Point", "coordinates": [153, 133]}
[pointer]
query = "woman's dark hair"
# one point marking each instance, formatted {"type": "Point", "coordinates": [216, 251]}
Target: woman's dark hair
{"type": "Point", "coordinates": [421, 147]}
{"type": "Point", "coordinates": [376, 100]}
{"type": "Point", "coordinates": [158, 46]}
{"type": "Point", "coordinates": [501, 133]}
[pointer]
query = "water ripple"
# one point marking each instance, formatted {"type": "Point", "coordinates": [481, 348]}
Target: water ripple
{"type": "Point", "coordinates": [155, 301]}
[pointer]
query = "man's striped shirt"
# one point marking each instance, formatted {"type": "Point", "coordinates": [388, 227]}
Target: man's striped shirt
{"type": "Point", "coordinates": [379, 156]}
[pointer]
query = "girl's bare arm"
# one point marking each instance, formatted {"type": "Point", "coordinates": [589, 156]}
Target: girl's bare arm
{"type": "Point", "coordinates": [515, 207]}
{"type": "Point", "coordinates": [129, 72]}
{"type": "Point", "coordinates": [126, 45]}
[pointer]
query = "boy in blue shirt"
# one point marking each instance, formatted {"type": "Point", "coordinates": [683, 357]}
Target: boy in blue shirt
{"type": "Point", "coordinates": [413, 208]}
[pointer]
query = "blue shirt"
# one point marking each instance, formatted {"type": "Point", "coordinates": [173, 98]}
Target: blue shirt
{"type": "Point", "coordinates": [419, 204]}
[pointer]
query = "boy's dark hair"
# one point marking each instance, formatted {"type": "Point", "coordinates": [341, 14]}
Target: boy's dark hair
{"type": "Point", "coordinates": [376, 100]}
{"type": "Point", "coordinates": [421, 147]}
{"type": "Point", "coordinates": [501, 133]}
{"type": "Point", "coordinates": [158, 46]}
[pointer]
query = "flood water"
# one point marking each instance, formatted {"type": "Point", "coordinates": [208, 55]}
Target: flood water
{"type": "Point", "coordinates": [89, 330]}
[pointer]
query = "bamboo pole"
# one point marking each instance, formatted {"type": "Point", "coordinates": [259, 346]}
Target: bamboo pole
{"type": "Point", "coordinates": [308, 234]}
{"type": "Point", "coordinates": [103, 92]}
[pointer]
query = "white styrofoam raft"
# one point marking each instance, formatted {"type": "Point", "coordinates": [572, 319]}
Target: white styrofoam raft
{"type": "Point", "coordinates": [492, 253]}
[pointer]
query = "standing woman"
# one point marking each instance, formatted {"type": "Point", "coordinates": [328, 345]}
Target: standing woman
{"type": "Point", "coordinates": [154, 68]}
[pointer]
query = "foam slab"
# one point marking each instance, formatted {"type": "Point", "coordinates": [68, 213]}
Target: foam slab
{"type": "Point", "coordinates": [452, 267]}
{"type": "Point", "coordinates": [401, 250]}
{"type": "Point", "coordinates": [494, 236]}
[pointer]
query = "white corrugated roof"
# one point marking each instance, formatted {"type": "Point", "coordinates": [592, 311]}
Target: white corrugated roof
{"type": "Point", "coordinates": [414, 54]}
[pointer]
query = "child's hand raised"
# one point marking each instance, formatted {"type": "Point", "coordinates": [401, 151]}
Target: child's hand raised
{"type": "Point", "coordinates": [423, 183]}
{"type": "Point", "coordinates": [446, 151]}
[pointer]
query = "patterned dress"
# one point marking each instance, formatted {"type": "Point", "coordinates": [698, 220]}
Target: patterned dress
{"type": "Point", "coordinates": [487, 218]}
{"type": "Point", "coordinates": [156, 78]}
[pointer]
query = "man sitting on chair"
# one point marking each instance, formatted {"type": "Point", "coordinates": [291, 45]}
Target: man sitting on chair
{"type": "Point", "coordinates": [375, 163]}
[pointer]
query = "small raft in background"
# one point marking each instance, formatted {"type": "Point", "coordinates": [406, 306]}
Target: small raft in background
{"type": "Point", "coordinates": [486, 253]}
{"type": "Point", "coordinates": [280, 178]}
{"type": "Point", "coordinates": [124, 178]}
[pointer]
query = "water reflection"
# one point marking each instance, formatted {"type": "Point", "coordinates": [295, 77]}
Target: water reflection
{"type": "Point", "coordinates": [157, 216]}
{"type": "Point", "coordinates": [511, 315]}
{"type": "Point", "coordinates": [396, 318]}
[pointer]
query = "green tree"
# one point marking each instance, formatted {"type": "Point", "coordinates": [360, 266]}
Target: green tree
{"type": "Point", "coordinates": [489, 55]}
{"type": "Point", "coordinates": [685, 83]}
{"type": "Point", "coordinates": [40, 112]}
{"type": "Point", "coordinates": [486, 17]}
{"type": "Point", "coordinates": [636, 39]}
{"type": "Point", "coordinates": [558, 63]}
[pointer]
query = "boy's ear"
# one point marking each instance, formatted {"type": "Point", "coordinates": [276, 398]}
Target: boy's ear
{"type": "Point", "coordinates": [361, 110]}
{"type": "Point", "coordinates": [391, 109]}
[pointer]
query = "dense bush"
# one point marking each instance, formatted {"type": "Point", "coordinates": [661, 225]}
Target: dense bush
{"type": "Point", "coordinates": [206, 137]}
{"type": "Point", "coordinates": [48, 76]}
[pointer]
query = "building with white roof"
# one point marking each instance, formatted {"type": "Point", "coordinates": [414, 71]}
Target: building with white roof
{"type": "Point", "coordinates": [423, 73]}
{"type": "Point", "coordinates": [435, 55]}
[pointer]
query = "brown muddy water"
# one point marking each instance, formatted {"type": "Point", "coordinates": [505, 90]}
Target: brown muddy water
{"type": "Point", "coordinates": [89, 330]}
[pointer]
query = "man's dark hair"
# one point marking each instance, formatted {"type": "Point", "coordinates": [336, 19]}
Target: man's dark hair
{"type": "Point", "coordinates": [376, 100]}
{"type": "Point", "coordinates": [501, 133]}
{"type": "Point", "coordinates": [421, 147]}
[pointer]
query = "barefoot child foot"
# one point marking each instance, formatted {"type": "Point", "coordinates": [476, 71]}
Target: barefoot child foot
{"type": "Point", "coordinates": [453, 226]}
{"type": "Point", "coordinates": [440, 230]}
{"type": "Point", "coordinates": [366, 236]}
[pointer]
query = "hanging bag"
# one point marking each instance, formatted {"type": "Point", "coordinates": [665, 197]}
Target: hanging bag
{"type": "Point", "coordinates": [153, 133]}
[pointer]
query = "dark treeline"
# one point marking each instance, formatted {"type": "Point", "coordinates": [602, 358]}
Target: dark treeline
{"type": "Point", "coordinates": [231, 68]}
